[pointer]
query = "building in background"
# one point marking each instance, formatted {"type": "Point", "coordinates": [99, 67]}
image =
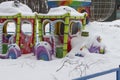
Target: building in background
{"type": "Point", "coordinates": [79, 5]}
{"type": "Point", "coordinates": [98, 10]}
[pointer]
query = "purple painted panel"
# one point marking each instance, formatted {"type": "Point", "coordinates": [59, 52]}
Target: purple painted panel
{"type": "Point", "coordinates": [94, 49]}
{"type": "Point", "coordinates": [2, 57]}
{"type": "Point", "coordinates": [40, 49]}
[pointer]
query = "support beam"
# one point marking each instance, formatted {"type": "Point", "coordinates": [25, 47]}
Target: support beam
{"type": "Point", "coordinates": [40, 29]}
{"type": "Point", "coordinates": [66, 31]}
{"type": "Point", "coordinates": [84, 23]}
{"type": "Point", "coordinates": [18, 29]}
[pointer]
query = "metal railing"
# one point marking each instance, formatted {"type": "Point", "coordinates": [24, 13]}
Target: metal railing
{"type": "Point", "coordinates": [117, 70]}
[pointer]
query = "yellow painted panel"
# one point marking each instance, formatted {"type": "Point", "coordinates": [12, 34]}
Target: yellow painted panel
{"type": "Point", "coordinates": [65, 47]}
{"type": "Point", "coordinates": [39, 29]}
{"type": "Point", "coordinates": [67, 20]}
{"type": "Point", "coordinates": [65, 38]}
{"type": "Point", "coordinates": [64, 53]}
{"type": "Point", "coordinates": [66, 29]}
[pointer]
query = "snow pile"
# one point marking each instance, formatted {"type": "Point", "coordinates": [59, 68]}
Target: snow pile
{"type": "Point", "coordinates": [9, 7]}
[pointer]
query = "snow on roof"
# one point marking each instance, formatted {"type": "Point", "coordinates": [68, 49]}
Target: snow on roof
{"type": "Point", "coordinates": [8, 8]}
{"type": "Point", "coordinates": [63, 10]}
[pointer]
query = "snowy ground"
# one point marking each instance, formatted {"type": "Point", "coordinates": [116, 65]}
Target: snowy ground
{"type": "Point", "coordinates": [28, 68]}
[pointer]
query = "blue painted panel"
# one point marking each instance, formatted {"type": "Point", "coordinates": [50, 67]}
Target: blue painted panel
{"type": "Point", "coordinates": [43, 56]}
{"type": "Point", "coordinates": [12, 55]}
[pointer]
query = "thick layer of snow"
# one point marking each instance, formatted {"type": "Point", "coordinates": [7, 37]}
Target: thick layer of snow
{"type": "Point", "coordinates": [28, 68]}
{"type": "Point", "coordinates": [63, 10]}
{"type": "Point", "coordinates": [8, 8]}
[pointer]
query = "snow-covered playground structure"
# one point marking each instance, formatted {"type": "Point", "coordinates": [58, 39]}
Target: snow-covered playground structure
{"type": "Point", "coordinates": [54, 28]}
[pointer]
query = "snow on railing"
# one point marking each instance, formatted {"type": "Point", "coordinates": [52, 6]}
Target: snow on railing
{"type": "Point", "coordinates": [117, 70]}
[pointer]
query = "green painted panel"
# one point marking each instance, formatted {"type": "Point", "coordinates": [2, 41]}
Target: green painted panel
{"type": "Point", "coordinates": [59, 52]}
{"type": "Point", "coordinates": [4, 48]}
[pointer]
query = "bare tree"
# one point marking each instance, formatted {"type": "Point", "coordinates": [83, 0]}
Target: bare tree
{"type": "Point", "coordinates": [39, 6]}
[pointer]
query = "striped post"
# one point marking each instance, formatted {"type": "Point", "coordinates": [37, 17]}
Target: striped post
{"type": "Point", "coordinates": [52, 33]}
{"type": "Point", "coordinates": [1, 27]}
